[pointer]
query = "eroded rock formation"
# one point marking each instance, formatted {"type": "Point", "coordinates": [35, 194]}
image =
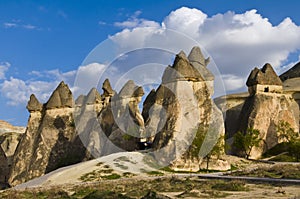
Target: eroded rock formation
{"type": "Point", "coordinates": [50, 140]}
{"type": "Point", "coordinates": [180, 121]}
{"type": "Point", "coordinates": [9, 138]}
{"type": "Point", "coordinates": [186, 111]}
{"type": "Point", "coordinates": [267, 105]}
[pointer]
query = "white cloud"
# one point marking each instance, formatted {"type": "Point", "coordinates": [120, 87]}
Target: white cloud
{"type": "Point", "coordinates": [186, 20]}
{"type": "Point", "coordinates": [134, 21]}
{"type": "Point", "coordinates": [9, 25]}
{"type": "Point", "coordinates": [101, 23]}
{"type": "Point", "coordinates": [236, 42]}
{"type": "Point", "coordinates": [3, 68]}
{"type": "Point", "coordinates": [233, 82]}
{"type": "Point", "coordinates": [19, 24]}
{"type": "Point", "coordinates": [87, 77]}
{"type": "Point", "coordinates": [18, 91]}
{"type": "Point", "coordinates": [42, 84]}
{"type": "Point", "coordinates": [29, 26]}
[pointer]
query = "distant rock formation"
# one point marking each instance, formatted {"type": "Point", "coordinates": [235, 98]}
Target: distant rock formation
{"type": "Point", "coordinates": [186, 111]}
{"type": "Point", "coordinates": [9, 138]}
{"type": "Point", "coordinates": [266, 106]}
{"type": "Point", "coordinates": [291, 83]}
{"type": "Point", "coordinates": [294, 72]}
{"type": "Point", "coordinates": [6, 127]}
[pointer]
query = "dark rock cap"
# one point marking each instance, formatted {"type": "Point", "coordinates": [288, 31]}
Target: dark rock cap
{"type": "Point", "coordinates": [80, 100]}
{"type": "Point", "coordinates": [197, 59]}
{"type": "Point", "coordinates": [107, 89]}
{"type": "Point", "coordinates": [130, 89]}
{"type": "Point", "coordinates": [182, 69]}
{"type": "Point", "coordinates": [294, 72]}
{"type": "Point", "coordinates": [263, 76]}
{"type": "Point", "coordinates": [34, 104]}
{"type": "Point", "coordinates": [197, 56]}
{"type": "Point", "coordinates": [61, 97]}
{"type": "Point", "coordinates": [93, 97]}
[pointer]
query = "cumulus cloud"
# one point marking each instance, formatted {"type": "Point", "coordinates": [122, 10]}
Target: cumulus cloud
{"type": "Point", "coordinates": [3, 68]}
{"type": "Point", "coordinates": [42, 84]}
{"type": "Point", "coordinates": [87, 77]}
{"type": "Point", "coordinates": [236, 42]}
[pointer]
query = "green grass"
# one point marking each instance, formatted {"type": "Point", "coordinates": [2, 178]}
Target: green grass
{"type": "Point", "coordinates": [281, 153]}
{"type": "Point", "coordinates": [155, 173]}
{"type": "Point", "coordinates": [230, 186]}
{"type": "Point", "coordinates": [133, 188]}
{"type": "Point", "coordinates": [111, 176]}
{"type": "Point", "coordinates": [106, 195]}
{"type": "Point", "coordinates": [285, 171]}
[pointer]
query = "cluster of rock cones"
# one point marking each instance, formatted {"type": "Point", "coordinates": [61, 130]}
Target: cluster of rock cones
{"type": "Point", "coordinates": [65, 131]}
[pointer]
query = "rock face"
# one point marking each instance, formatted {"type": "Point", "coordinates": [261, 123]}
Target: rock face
{"type": "Point", "coordinates": [294, 72]}
{"type": "Point", "coordinates": [122, 120]}
{"type": "Point", "coordinates": [291, 83]}
{"type": "Point", "coordinates": [4, 170]}
{"type": "Point", "coordinates": [231, 106]}
{"type": "Point", "coordinates": [9, 139]}
{"type": "Point", "coordinates": [266, 106]}
{"type": "Point", "coordinates": [186, 111]}
{"type": "Point", "coordinates": [50, 140]}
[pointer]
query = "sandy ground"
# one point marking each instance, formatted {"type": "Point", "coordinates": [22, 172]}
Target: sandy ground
{"type": "Point", "coordinates": [131, 162]}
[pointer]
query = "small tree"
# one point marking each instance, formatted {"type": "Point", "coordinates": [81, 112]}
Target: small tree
{"type": "Point", "coordinates": [286, 133]}
{"type": "Point", "coordinates": [210, 138]}
{"type": "Point", "coordinates": [215, 151]}
{"type": "Point", "coordinates": [246, 141]}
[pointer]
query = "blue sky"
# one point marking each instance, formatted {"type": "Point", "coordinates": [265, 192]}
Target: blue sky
{"type": "Point", "coordinates": [44, 42]}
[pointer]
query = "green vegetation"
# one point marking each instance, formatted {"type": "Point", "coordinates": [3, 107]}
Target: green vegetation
{"type": "Point", "coordinates": [288, 134]}
{"type": "Point", "coordinates": [111, 176]}
{"type": "Point", "coordinates": [209, 138]}
{"type": "Point", "coordinates": [289, 148]}
{"type": "Point", "coordinates": [287, 171]}
{"type": "Point", "coordinates": [105, 173]}
{"type": "Point", "coordinates": [246, 141]}
{"type": "Point", "coordinates": [186, 187]}
{"type": "Point", "coordinates": [155, 173]}
{"type": "Point", "coordinates": [230, 186]}
{"type": "Point", "coordinates": [127, 137]}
